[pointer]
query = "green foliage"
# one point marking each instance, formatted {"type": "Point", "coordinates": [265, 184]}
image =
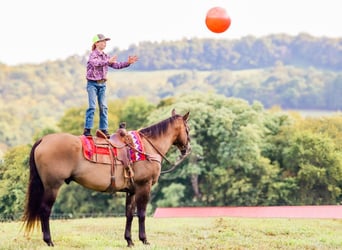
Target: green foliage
{"type": "Point", "coordinates": [173, 195]}
{"type": "Point", "coordinates": [245, 53]}
{"type": "Point", "coordinates": [317, 167]}
{"type": "Point", "coordinates": [225, 137]}
{"type": "Point", "coordinates": [14, 179]}
{"type": "Point", "coordinates": [73, 121]}
{"type": "Point", "coordinates": [274, 70]}
{"type": "Point", "coordinates": [241, 155]}
{"type": "Point", "coordinates": [238, 156]}
{"type": "Point", "coordinates": [78, 201]}
{"type": "Point", "coordinates": [135, 112]}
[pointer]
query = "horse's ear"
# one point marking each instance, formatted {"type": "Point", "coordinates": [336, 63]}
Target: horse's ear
{"type": "Point", "coordinates": [173, 113]}
{"type": "Point", "coordinates": [186, 116]}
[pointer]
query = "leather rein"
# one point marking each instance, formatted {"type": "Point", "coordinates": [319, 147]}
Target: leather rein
{"type": "Point", "coordinates": [174, 165]}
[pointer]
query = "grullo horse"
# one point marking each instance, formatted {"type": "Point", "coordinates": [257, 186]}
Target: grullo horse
{"type": "Point", "coordinates": [58, 158]}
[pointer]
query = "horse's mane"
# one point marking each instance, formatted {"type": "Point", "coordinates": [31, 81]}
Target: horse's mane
{"type": "Point", "coordinates": [160, 128]}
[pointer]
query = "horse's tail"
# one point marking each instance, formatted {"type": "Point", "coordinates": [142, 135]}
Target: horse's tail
{"type": "Point", "coordinates": [34, 195]}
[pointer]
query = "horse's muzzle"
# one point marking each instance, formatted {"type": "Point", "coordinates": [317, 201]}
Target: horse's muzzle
{"type": "Point", "coordinates": [186, 151]}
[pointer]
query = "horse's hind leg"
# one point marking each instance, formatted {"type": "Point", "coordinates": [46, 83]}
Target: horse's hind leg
{"type": "Point", "coordinates": [130, 207]}
{"type": "Point", "coordinates": [142, 198]}
{"type": "Point", "coordinates": [45, 212]}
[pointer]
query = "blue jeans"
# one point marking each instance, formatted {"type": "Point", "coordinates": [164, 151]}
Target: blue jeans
{"type": "Point", "coordinates": [96, 90]}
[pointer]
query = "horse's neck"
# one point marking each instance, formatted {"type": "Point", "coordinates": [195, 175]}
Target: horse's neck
{"type": "Point", "coordinates": [163, 142]}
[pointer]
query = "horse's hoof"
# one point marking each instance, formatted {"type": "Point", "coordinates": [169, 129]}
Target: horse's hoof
{"type": "Point", "coordinates": [50, 244]}
{"type": "Point", "coordinates": [146, 242]}
{"type": "Point", "coordinates": [130, 244]}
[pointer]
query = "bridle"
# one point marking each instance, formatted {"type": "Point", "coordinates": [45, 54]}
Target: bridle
{"type": "Point", "coordinates": [184, 147]}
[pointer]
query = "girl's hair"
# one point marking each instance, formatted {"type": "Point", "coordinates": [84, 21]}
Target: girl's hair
{"type": "Point", "coordinates": [93, 47]}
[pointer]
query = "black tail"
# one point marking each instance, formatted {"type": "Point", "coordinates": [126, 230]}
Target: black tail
{"type": "Point", "coordinates": [34, 195]}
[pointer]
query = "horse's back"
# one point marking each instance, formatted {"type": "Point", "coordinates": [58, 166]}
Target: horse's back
{"type": "Point", "coordinates": [59, 144]}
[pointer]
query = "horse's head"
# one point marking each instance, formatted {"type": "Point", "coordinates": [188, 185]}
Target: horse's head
{"type": "Point", "coordinates": [182, 141]}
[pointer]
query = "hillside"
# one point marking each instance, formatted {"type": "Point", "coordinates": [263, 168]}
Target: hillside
{"type": "Point", "coordinates": [300, 72]}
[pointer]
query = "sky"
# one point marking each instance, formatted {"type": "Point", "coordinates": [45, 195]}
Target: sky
{"type": "Point", "coordinates": [35, 31]}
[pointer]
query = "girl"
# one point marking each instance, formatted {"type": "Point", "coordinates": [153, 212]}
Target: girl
{"type": "Point", "coordinates": [97, 68]}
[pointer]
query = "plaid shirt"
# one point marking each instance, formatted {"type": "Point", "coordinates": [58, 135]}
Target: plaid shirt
{"type": "Point", "coordinates": [97, 66]}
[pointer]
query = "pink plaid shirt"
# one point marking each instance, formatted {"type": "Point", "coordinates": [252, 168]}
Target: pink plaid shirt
{"type": "Point", "coordinates": [97, 66]}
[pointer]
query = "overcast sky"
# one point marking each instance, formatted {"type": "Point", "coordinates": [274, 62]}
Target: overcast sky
{"type": "Point", "coordinates": [34, 31]}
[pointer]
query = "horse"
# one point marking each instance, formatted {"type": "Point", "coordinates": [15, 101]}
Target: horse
{"type": "Point", "coordinates": [57, 158]}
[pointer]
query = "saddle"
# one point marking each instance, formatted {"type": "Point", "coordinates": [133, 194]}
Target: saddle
{"type": "Point", "coordinates": [115, 151]}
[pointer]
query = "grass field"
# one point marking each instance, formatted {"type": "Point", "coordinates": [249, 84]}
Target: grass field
{"type": "Point", "coordinates": [182, 233]}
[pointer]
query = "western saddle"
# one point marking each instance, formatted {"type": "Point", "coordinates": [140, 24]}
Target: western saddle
{"type": "Point", "coordinates": [119, 145]}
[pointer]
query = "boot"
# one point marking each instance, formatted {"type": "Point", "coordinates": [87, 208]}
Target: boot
{"type": "Point", "coordinates": [105, 131]}
{"type": "Point", "coordinates": [87, 132]}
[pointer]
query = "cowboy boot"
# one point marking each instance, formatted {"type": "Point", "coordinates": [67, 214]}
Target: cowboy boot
{"type": "Point", "coordinates": [87, 132]}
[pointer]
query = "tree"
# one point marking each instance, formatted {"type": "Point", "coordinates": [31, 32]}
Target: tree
{"type": "Point", "coordinates": [226, 166]}
{"type": "Point", "coordinates": [77, 201]}
{"type": "Point", "coordinates": [135, 111]}
{"type": "Point", "coordinates": [241, 154]}
{"type": "Point", "coordinates": [317, 167]}
{"type": "Point", "coordinates": [173, 195]}
{"type": "Point", "coordinates": [14, 179]}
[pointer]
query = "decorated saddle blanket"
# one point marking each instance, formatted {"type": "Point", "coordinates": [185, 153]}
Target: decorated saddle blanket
{"type": "Point", "coordinates": [99, 150]}
{"type": "Point", "coordinates": [138, 153]}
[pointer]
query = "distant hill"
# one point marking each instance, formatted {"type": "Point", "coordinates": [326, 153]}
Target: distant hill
{"type": "Point", "coordinates": [246, 53]}
{"type": "Point", "coordinates": [293, 72]}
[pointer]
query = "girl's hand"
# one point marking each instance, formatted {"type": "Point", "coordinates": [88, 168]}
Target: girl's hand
{"type": "Point", "coordinates": [132, 59]}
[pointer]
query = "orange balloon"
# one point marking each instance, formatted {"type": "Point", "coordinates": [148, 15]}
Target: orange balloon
{"type": "Point", "coordinates": [217, 20]}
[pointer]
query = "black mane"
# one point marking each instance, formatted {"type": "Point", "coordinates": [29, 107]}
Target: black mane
{"type": "Point", "coordinates": [160, 128]}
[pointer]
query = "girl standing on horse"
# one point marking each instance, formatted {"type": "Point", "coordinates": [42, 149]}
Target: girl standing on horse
{"type": "Point", "coordinates": [97, 68]}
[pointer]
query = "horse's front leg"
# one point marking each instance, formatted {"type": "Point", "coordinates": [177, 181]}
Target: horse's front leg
{"type": "Point", "coordinates": [142, 198]}
{"type": "Point", "coordinates": [130, 207]}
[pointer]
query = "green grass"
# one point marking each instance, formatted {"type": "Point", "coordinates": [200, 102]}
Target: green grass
{"type": "Point", "coordinates": [182, 233]}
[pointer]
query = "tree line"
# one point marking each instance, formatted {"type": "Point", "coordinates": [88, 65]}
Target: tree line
{"type": "Point", "coordinates": [242, 155]}
{"type": "Point", "coordinates": [293, 72]}
{"type": "Point", "coordinates": [248, 52]}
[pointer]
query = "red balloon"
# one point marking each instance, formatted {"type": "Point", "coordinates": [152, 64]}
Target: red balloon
{"type": "Point", "coordinates": [217, 20]}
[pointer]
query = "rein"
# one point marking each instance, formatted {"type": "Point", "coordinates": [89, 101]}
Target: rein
{"type": "Point", "coordinates": [179, 161]}
{"type": "Point", "coordinates": [173, 167]}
